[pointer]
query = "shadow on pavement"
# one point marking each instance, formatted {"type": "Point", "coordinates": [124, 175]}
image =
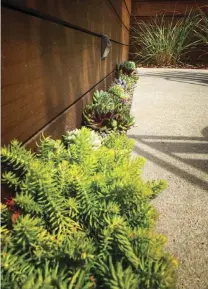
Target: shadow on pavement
{"type": "Point", "coordinates": [196, 78]}
{"type": "Point", "coordinates": [192, 151]}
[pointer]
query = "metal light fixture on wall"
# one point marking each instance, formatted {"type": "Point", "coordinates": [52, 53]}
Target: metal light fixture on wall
{"type": "Point", "coordinates": [105, 46]}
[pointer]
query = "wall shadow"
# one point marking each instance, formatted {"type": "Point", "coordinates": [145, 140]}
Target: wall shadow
{"type": "Point", "coordinates": [184, 76]}
{"type": "Point", "coordinates": [183, 149]}
{"type": "Point", "coordinates": [204, 132]}
{"type": "Point", "coordinates": [55, 65]}
{"type": "Point", "coordinates": [84, 60]}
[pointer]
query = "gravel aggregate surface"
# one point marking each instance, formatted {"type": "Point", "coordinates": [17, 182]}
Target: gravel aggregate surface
{"type": "Point", "coordinates": [171, 132]}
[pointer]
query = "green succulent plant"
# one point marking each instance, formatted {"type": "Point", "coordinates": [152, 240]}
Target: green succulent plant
{"type": "Point", "coordinates": [70, 137]}
{"type": "Point", "coordinates": [107, 114]}
{"type": "Point", "coordinates": [127, 67]}
{"type": "Point", "coordinates": [101, 96]}
{"type": "Point", "coordinates": [106, 120]}
{"type": "Point", "coordinates": [118, 91]}
{"type": "Point", "coordinates": [82, 222]}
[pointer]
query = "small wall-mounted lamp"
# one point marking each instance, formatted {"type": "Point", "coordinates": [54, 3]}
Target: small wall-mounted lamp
{"type": "Point", "coordinates": [105, 46]}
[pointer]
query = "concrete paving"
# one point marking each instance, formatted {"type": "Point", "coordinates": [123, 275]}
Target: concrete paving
{"type": "Point", "coordinates": [171, 132]}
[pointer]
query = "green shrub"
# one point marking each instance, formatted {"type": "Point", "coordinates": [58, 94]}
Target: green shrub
{"type": "Point", "coordinates": [82, 222]}
{"type": "Point", "coordinates": [164, 43]}
{"type": "Point", "coordinates": [107, 112]}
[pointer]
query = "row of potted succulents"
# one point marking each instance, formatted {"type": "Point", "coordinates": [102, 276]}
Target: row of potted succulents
{"type": "Point", "coordinates": [110, 110]}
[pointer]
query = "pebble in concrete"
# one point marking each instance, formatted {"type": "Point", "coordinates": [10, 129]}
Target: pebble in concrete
{"type": "Point", "coordinates": [171, 132]}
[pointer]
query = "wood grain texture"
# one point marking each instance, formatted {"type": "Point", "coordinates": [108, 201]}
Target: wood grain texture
{"type": "Point", "coordinates": [122, 11]}
{"type": "Point", "coordinates": [71, 118]}
{"type": "Point", "coordinates": [129, 5]}
{"type": "Point", "coordinates": [94, 15]}
{"type": "Point", "coordinates": [45, 68]}
{"type": "Point", "coordinates": [149, 8]}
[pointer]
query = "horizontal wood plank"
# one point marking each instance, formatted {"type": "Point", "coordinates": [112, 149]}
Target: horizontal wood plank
{"type": "Point", "coordinates": [45, 69]}
{"type": "Point", "coordinates": [71, 118]}
{"type": "Point", "coordinates": [122, 11]}
{"type": "Point", "coordinates": [148, 8]}
{"type": "Point", "coordinates": [94, 15]}
{"type": "Point", "coordinates": [129, 5]}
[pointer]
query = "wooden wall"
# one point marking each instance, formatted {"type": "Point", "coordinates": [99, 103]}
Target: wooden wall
{"type": "Point", "coordinates": [49, 71]}
{"type": "Point", "coordinates": [146, 9]}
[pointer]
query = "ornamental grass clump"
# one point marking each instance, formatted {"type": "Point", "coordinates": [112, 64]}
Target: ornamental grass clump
{"type": "Point", "coordinates": [164, 43]}
{"type": "Point", "coordinates": [202, 27]}
{"type": "Point", "coordinates": [76, 219]}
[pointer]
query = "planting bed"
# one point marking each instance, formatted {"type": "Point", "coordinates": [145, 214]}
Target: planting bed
{"type": "Point", "coordinates": [76, 220]}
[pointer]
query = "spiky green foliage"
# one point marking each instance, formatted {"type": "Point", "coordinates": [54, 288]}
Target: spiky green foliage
{"type": "Point", "coordinates": [5, 215]}
{"type": "Point", "coordinates": [117, 276]}
{"type": "Point", "coordinates": [201, 28]}
{"type": "Point", "coordinates": [162, 42]}
{"type": "Point", "coordinates": [84, 218]}
{"type": "Point", "coordinates": [17, 158]}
